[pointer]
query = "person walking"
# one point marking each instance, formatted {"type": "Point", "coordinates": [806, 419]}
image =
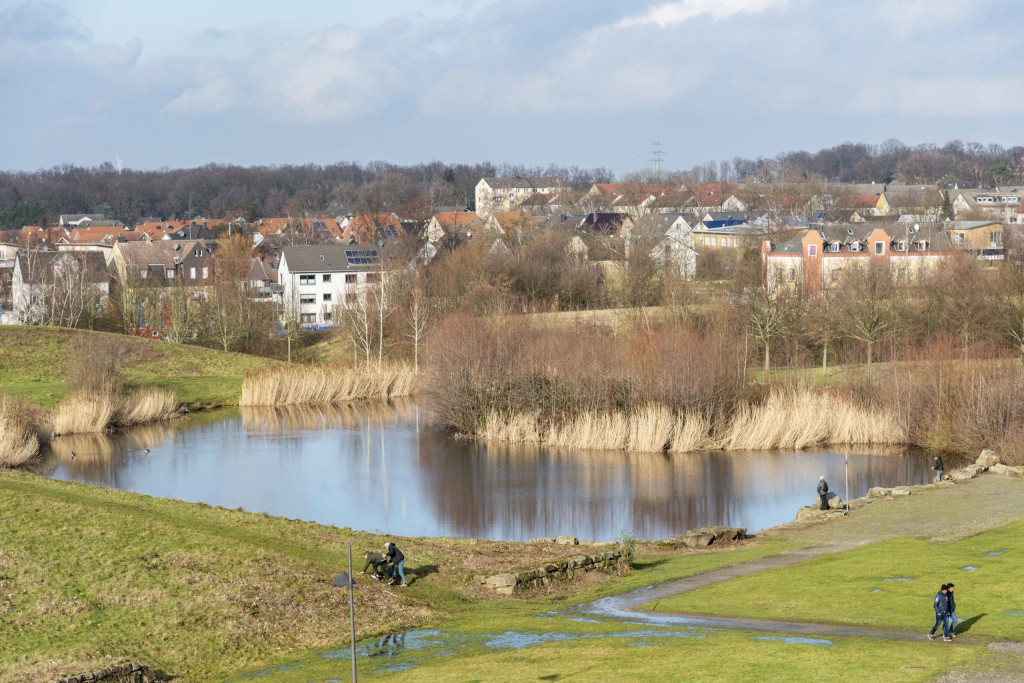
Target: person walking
{"type": "Point", "coordinates": [397, 560]}
{"type": "Point", "coordinates": [938, 467]}
{"type": "Point", "coordinates": [941, 604]}
{"type": "Point", "coordinates": [377, 561]}
{"type": "Point", "coordinates": [953, 619]}
{"type": "Point", "coordinates": [823, 492]}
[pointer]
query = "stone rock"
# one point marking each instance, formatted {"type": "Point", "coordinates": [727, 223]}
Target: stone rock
{"type": "Point", "coordinates": [501, 580]}
{"type": "Point", "coordinates": [879, 492]}
{"type": "Point", "coordinates": [1007, 471]}
{"type": "Point", "coordinates": [567, 540]}
{"type": "Point", "coordinates": [900, 491]}
{"type": "Point", "coordinates": [605, 544]}
{"type": "Point", "coordinates": [721, 533]}
{"type": "Point", "coordinates": [545, 541]}
{"type": "Point", "coordinates": [697, 540]}
{"type": "Point", "coordinates": [812, 512]}
{"type": "Point", "coordinates": [505, 590]}
{"type": "Point", "coordinates": [528, 575]}
{"type": "Point", "coordinates": [963, 475]}
{"type": "Point", "coordinates": [987, 458]}
{"type": "Point", "coordinates": [834, 502]}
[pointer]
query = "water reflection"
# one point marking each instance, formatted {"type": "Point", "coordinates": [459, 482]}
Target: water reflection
{"type": "Point", "coordinates": [379, 467]}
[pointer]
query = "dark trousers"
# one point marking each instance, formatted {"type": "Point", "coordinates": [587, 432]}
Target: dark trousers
{"type": "Point", "coordinates": [824, 501]}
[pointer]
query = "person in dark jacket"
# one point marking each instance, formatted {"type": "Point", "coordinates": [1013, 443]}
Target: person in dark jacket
{"type": "Point", "coordinates": [397, 560]}
{"type": "Point", "coordinates": [377, 561]}
{"type": "Point", "coordinates": [941, 604]}
{"type": "Point", "coordinates": [938, 467]}
{"type": "Point", "coordinates": [823, 492]}
{"type": "Point", "coordinates": [952, 610]}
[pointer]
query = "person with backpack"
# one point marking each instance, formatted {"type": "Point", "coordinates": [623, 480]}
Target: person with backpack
{"type": "Point", "coordinates": [938, 467]}
{"type": "Point", "coordinates": [941, 604]}
{"type": "Point", "coordinates": [397, 559]}
{"type": "Point", "coordinates": [823, 492]}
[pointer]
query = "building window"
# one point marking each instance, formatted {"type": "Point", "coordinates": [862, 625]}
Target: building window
{"type": "Point", "coordinates": [997, 238]}
{"type": "Point", "coordinates": [812, 250]}
{"type": "Point", "coordinates": [836, 274]}
{"type": "Point", "coordinates": [855, 246]}
{"type": "Point", "coordinates": [308, 317]}
{"type": "Point", "coordinates": [327, 277]}
{"type": "Point", "coordinates": [901, 274]}
{"type": "Point", "coordinates": [901, 246]}
{"type": "Point", "coordinates": [307, 279]}
{"type": "Point", "coordinates": [350, 278]}
{"type": "Point", "coordinates": [373, 277]}
{"type": "Point", "coordinates": [192, 273]}
{"type": "Point", "coordinates": [307, 300]}
{"type": "Point", "coordinates": [327, 316]}
{"type": "Point", "coordinates": [327, 297]}
{"type": "Point", "coordinates": [958, 238]}
{"type": "Point", "coordinates": [834, 247]}
{"type": "Point", "coordinates": [792, 274]}
{"type": "Point", "coordinates": [879, 248]}
{"type": "Point", "coordinates": [206, 272]}
{"type": "Point", "coordinates": [922, 245]}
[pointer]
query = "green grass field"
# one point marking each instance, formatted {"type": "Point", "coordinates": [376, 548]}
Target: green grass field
{"type": "Point", "coordinates": [202, 592]}
{"type": "Point", "coordinates": [33, 362]}
{"type": "Point", "coordinates": [850, 587]}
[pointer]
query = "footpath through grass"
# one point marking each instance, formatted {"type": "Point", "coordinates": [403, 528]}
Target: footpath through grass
{"type": "Point", "coordinates": [889, 584]}
{"type": "Point", "coordinates": [33, 360]}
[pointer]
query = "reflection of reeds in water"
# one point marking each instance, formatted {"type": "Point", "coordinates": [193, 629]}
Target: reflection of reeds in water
{"type": "Point", "coordinates": [101, 447]}
{"type": "Point", "coordinates": [791, 420]}
{"type": "Point", "coordinates": [323, 416]}
{"type": "Point", "coordinates": [302, 384]}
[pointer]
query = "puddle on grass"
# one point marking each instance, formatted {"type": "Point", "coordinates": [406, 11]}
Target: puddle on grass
{"type": "Point", "coordinates": [968, 568]}
{"type": "Point", "coordinates": [1015, 613]}
{"type": "Point", "coordinates": [900, 578]}
{"type": "Point", "coordinates": [821, 642]}
{"type": "Point", "coordinates": [876, 590]}
{"type": "Point", "coordinates": [996, 553]}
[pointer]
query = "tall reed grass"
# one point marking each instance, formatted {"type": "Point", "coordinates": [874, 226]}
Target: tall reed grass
{"type": "Point", "coordinates": [298, 384]}
{"type": "Point", "coordinates": [19, 433]}
{"type": "Point", "coordinates": [84, 412]}
{"type": "Point", "coordinates": [787, 420]}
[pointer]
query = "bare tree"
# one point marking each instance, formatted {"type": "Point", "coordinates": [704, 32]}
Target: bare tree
{"type": "Point", "coordinates": [866, 306]}
{"type": "Point", "coordinates": [769, 312]}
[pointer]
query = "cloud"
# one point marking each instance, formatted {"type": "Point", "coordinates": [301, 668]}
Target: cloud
{"type": "Point", "coordinates": [669, 14]}
{"type": "Point", "coordinates": [39, 22]}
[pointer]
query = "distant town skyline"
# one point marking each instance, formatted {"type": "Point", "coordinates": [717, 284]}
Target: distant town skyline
{"type": "Point", "coordinates": [577, 82]}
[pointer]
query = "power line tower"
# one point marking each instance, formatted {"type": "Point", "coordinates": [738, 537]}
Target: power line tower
{"type": "Point", "coordinates": [656, 157]}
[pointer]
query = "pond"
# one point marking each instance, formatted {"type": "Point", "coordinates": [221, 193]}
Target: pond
{"type": "Point", "coordinates": [382, 468]}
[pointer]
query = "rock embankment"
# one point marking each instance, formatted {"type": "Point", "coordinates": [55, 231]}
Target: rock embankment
{"type": "Point", "coordinates": [565, 570]}
{"type": "Point", "coordinates": [705, 536]}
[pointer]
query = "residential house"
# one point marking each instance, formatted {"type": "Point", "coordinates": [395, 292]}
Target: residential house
{"type": "Point", "coordinates": [996, 204]}
{"type": "Point", "coordinates": [58, 287]}
{"type": "Point", "coordinates": [983, 239]}
{"type": "Point", "coordinates": [164, 261]}
{"type": "Point", "coordinates": [318, 279]}
{"type": "Point", "coordinates": [368, 228]}
{"type": "Point", "coordinates": [918, 200]}
{"type": "Point", "coordinates": [444, 223]}
{"type": "Point", "coordinates": [68, 220]}
{"type": "Point", "coordinates": [714, 220]}
{"type": "Point", "coordinates": [677, 248]}
{"type": "Point", "coordinates": [721, 197]}
{"type": "Point", "coordinates": [816, 259]}
{"type": "Point", "coordinates": [505, 194]}
{"type": "Point", "coordinates": [510, 222]}
{"type": "Point", "coordinates": [607, 224]}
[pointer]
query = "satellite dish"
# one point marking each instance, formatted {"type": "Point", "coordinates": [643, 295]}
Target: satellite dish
{"type": "Point", "coordinates": [916, 227]}
{"type": "Point", "coordinates": [380, 243]}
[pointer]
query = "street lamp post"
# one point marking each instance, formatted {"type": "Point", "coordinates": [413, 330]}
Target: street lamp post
{"type": "Point", "coordinates": [847, 480]}
{"type": "Point", "coordinates": [346, 579]}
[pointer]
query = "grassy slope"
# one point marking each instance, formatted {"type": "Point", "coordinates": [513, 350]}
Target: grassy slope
{"type": "Point", "coordinates": [87, 572]}
{"type": "Point", "coordinates": [33, 360]}
{"type": "Point", "coordinates": [839, 588]}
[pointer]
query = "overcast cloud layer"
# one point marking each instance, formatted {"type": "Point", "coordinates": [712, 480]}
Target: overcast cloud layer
{"type": "Point", "coordinates": [588, 82]}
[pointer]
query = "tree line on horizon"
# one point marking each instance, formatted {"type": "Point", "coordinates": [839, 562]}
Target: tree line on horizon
{"type": "Point", "coordinates": [228, 191]}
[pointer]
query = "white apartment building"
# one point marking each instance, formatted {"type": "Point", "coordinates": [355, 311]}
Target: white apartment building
{"type": "Point", "coordinates": [318, 279]}
{"type": "Point", "coordinates": [505, 194]}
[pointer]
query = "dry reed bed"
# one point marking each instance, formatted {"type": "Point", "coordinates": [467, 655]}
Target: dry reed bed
{"type": "Point", "coordinates": [300, 384]}
{"type": "Point", "coordinates": [19, 433]}
{"type": "Point", "coordinates": [84, 412]}
{"type": "Point", "coordinates": [787, 420]}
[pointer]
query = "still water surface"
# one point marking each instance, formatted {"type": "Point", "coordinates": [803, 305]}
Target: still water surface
{"type": "Point", "coordinates": [381, 468]}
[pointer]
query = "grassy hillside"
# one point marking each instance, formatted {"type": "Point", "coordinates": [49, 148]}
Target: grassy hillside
{"type": "Point", "coordinates": [33, 362]}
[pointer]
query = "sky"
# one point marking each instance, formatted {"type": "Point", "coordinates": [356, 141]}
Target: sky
{"type": "Point", "coordinates": [570, 82]}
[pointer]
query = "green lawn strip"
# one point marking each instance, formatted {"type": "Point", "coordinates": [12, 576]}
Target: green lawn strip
{"type": "Point", "coordinates": [510, 645]}
{"type": "Point", "coordinates": [34, 358]}
{"type": "Point", "coordinates": [848, 587]}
